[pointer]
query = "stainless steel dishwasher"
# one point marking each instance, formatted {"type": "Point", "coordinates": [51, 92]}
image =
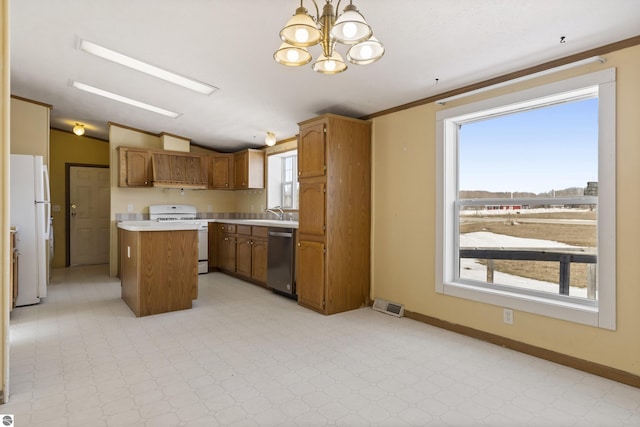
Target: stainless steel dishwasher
{"type": "Point", "coordinates": [281, 261]}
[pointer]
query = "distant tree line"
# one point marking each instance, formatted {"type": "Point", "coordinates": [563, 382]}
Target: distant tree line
{"type": "Point", "coordinates": [482, 194]}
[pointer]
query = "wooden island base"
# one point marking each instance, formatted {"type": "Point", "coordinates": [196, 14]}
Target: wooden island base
{"type": "Point", "coordinates": [158, 270]}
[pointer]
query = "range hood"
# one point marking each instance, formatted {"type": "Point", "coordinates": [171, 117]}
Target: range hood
{"type": "Point", "coordinates": [179, 170]}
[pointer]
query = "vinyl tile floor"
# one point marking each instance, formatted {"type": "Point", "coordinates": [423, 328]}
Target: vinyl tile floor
{"type": "Point", "coordinates": [243, 356]}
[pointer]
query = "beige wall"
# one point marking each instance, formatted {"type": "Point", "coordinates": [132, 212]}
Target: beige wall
{"type": "Point", "coordinates": [404, 194]}
{"type": "Point", "coordinates": [69, 148]}
{"type": "Point", "coordinates": [30, 128]}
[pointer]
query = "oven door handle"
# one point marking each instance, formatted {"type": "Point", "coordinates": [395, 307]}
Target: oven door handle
{"type": "Point", "coordinates": [280, 234]}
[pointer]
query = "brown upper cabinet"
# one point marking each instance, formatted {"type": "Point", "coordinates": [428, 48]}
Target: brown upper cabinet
{"type": "Point", "coordinates": [311, 150]}
{"type": "Point", "coordinates": [139, 167]}
{"type": "Point", "coordinates": [134, 167]}
{"type": "Point", "coordinates": [248, 169]}
{"type": "Point", "coordinates": [221, 172]}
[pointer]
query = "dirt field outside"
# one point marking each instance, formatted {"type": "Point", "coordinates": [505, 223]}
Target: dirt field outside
{"type": "Point", "coordinates": [573, 228]}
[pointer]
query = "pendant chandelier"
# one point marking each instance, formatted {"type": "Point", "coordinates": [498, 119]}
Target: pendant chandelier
{"type": "Point", "coordinates": [350, 28]}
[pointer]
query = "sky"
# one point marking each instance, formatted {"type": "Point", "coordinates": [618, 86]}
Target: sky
{"type": "Point", "coordinates": [536, 151]}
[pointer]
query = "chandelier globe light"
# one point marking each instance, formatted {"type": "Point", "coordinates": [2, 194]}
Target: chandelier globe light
{"type": "Point", "coordinates": [330, 65]}
{"type": "Point", "coordinates": [301, 30]}
{"type": "Point", "coordinates": [291, 55]}
{"type": "Point", "coordinates": [366, 52]}
{"type": "Point", "coordinates": [350, 28]}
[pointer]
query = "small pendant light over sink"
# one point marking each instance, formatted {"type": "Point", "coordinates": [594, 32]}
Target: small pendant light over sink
{"type": "Point", "coordinates": [270, 139]}
{"type": "Point", "coordinates": [350, 28]}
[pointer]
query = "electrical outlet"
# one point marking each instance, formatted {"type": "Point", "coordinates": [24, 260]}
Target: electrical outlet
{"type": "Point", "coordinates": [129, 208]}
{"type": "Point", "coordinates": [507, 316]}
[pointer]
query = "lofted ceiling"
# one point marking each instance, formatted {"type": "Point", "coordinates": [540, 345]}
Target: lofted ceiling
{"type": "Point", "coordinates": [432, 46]}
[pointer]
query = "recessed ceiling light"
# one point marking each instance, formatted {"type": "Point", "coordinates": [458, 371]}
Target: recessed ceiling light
{"type": "Point", "coordinates": [124, 99]}
{"type": "Point", "coordinates": [152, 70]}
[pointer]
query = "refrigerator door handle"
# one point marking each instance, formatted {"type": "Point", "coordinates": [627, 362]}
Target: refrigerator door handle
{"type": "Point", "coordinates": [47, 189]}
{"type": "Point", "coordinates": [47, 197]}
{"type": "Point", "coordinates": [47, 221]}
{"type": "Point", "coordinates": [47, 202]}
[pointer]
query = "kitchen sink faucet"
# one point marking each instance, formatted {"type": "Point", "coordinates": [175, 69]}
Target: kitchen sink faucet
{"type": "Point", "coordinates": [280, 214]}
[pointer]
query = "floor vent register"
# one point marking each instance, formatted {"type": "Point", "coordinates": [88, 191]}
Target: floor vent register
{"type": "Point", "coordinates": [388, 307]}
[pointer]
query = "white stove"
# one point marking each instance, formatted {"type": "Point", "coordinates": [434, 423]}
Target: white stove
{"type": "Point", "coordinates": [172, 213]}
{"type": "Point", "coordinates": [188, 214]}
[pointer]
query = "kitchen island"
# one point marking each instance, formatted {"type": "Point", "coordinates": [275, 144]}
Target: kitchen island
{"type": "Point", "coordinates": [158, 266]}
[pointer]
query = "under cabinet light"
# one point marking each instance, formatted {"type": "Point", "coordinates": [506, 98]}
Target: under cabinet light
{"type": "Point", "coordinates": [523, 78]}
{"type": "Point", "coordinates": [124, 99]}
{"type": "Point", "coordinates": [143, 67]}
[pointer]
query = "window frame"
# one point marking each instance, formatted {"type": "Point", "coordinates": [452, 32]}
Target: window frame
{"type": "Point", "coordinates": [602, 313]}
{"type": "Point", "coordinates": [293, 182]}
{"type": "Point", "coordinates": [275, 180]}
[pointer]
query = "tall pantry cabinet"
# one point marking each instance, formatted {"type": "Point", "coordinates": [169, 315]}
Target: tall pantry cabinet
{"type": "Point", "coordinates": [334, 173]}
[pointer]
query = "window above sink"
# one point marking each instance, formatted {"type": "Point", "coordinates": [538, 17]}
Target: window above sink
{"type": "Point", "coordinates": [282, 180]}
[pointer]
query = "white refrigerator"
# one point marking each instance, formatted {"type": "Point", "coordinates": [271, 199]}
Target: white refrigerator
{"type": "Point", "coordinates": [30, 212]}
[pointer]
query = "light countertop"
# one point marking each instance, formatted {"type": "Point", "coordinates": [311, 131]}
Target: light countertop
{"type": "Point", "coordinates": [260, 222]}
{"type": "Point", "coordinates": [156, 226]}
{"type": "Point", "coordinates": [148, 225]}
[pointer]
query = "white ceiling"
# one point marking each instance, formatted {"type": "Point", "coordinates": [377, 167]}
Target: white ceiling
{"type": "Point", "coordinates": [229, 44]}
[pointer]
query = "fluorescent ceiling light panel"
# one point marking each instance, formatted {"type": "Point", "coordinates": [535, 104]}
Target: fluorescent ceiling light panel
{"type": "Point", "coordinates": [143, 67]}
{"type": "Point", "coordinates": [124, 99]}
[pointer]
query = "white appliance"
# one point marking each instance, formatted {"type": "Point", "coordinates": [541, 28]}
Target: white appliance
{"type": "Point", "coordinates": [30, 212]}
{"type": "Point", "coordinates": [186, 213]}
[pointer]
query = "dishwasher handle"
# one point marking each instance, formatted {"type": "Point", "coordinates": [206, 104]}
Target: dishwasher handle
{"type": "Point", "coordinates": [280, 234]}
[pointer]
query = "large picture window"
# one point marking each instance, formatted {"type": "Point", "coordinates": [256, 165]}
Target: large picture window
{"type": "Point", "coordinates": [527, 200]}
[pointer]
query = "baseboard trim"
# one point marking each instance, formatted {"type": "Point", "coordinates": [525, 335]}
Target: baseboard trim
{"type": "Point", "coordinates": [552, 356]}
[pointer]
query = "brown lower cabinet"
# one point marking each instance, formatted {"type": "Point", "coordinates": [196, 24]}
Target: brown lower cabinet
{"type": "Point", "coordinates": [243, 256]}
{"type": "Point", "coordinates": [158, 270]}
{"type": "Point", "coordinates": [259, 252]}
{"type": "Point", "coordinates": [242, 251]}
{"type": "Point", "coordinates": [312, 256]}
{"type": "Point", "coordinates": [227, 247]}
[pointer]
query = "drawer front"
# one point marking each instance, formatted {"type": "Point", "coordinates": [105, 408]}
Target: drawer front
{"type": "Point", "coordinates": [245, 230]}
{"type": "Point", "coordinates": [228, 228]}
{"type": "Point", "coordinates": [260, 231]}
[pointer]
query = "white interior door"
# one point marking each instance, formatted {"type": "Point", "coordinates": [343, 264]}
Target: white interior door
{"type": "Point", "coordinates": [89, 197]}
